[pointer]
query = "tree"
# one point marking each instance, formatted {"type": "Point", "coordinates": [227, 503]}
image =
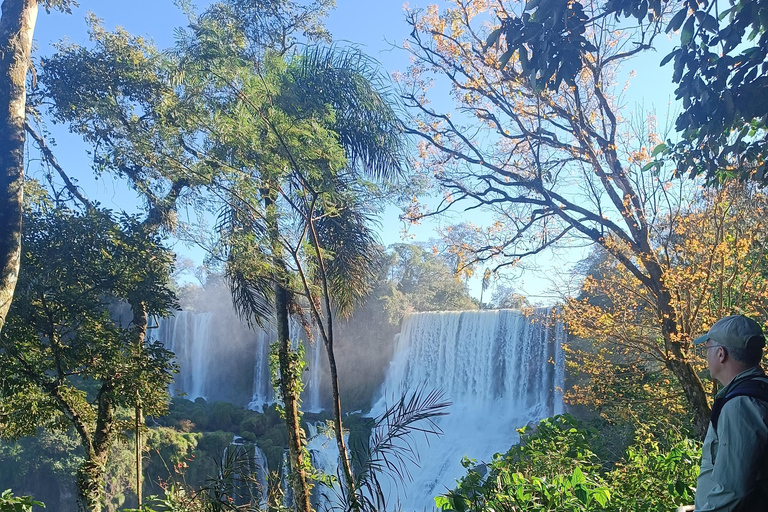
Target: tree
{"type": "Point", "coordinates": [555, 166]}
{"type": "Point", "coordinates": [713, 257]}
{"type": "Point", "coordinates": [128, 100]}
{"type": "Point", "coordinates": [299, 223]}
{"type": "Point", "coordinates": [66, 362]}
{"type": "Point", "coordinates": [420, 280]}
{"type": "Point", "coordinates": [719, 67]}
{"type": "Point", "coordinates": [17, 26]}
{"type": "Point", "coordinates": [340, 269]}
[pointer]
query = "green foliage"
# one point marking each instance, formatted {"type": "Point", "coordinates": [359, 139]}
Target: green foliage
{"type": "Point", "coordinates": [422, 281]}
{"type": "Point", "coordinates": [11, 503]}
{"type": "Point", "coordinates": [67, 363]}
{"type": "Point", "coordinates": [188, 439]}
{"type": "Point", "coordinates": [654, 475]}
{"type": "Point", "coordinates": [60, 345]}
{"type": "Point", "coordinates": [42, 465]}
{"type": "Point", "coordinates": [554, 468]}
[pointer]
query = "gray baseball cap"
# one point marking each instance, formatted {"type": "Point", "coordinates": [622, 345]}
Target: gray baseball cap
{"type": "Point", "coordinates": [733, 331]}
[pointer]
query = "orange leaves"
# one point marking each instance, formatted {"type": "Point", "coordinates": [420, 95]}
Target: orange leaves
{"type": "Point", "coordinates": [719, 257]}
{"type": "Point", "coordinates": [713, 260]}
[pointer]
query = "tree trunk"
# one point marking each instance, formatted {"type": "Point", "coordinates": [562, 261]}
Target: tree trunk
{"type": "Point", "coordinates": [140, 328]}
{"type": "Point", "coordinates": [17, 26]}
{"type": "Point", "coordinates": [90, 476]}
{"type": "Point", "coordinates": [676, 360]}
{"type": "Point", "coordinates": [289, 389]}
{"type": "Point", "coordinates": [90, 483]}
{"type": "Point", "coordinates": [328, 337]}
{"type": "Point", "coordinates": [352, 498]}
{"type": "Point", "coordinates": [289, 376]}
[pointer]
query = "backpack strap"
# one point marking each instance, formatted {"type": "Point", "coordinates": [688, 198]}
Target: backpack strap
{"type": "Point", "coordinates": [755, 387]}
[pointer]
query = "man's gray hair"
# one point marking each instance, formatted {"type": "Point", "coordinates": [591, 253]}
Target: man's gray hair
{"type": "Point", "coordinates": [751, 355]}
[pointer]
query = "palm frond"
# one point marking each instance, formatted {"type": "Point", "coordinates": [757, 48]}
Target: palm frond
{"type": "Point", "coordinates": [246, 268]}
{"type": "Point", "coordinates": [354, 255]}
{"type": "Point", "coordinates": [252, 297]}
{"type": "Point", "coordinates": [391, 450]}
{"type": "Point", "coordinates": [367, 123]}
{"type": "Point", "coordinates": [236, 487]}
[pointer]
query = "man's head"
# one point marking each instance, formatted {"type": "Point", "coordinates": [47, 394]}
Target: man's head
{"type": "Point", "coordinates": [732, 345]}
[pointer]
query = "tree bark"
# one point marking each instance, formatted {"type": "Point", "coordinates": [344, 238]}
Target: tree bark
{"type": "Point", "coordinates": [17, 26]}
{"type": "Point", "coordinates": [140, 328]}
{"type": "Point", "coordinates": [678, 364]}
{"type": "Point", "coordinates": [290, 396]}
{"type": "Point", "coordinates": [343, 456]}
{"type": "Point", "coordinates": [90, 476]}
{"type": "Point", "coordinates": [289, 388]}
{"type": "Point", "coordinates": [328, 338]}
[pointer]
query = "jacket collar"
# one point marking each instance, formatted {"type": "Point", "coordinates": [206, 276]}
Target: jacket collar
{"type": "Point", "coordinates": [747, 374]}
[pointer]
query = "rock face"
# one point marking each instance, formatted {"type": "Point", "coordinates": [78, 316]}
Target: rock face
{"type": "Point", "coordinates": [501, 369]}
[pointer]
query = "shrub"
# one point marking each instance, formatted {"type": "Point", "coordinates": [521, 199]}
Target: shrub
{"type": "Point", "coordinates": [554, 468]}
{"type": "Point", "coordinates": [11, 503]}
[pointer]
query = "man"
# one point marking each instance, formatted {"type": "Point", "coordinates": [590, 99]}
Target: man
{"type": "Point", "coordinates": [734, 463]}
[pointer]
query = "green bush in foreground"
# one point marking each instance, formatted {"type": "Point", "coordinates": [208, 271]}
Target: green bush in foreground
{"type": "Point", "coordinates": [554, 468]}
{"type": "Point", "coordinates": [11, 503]}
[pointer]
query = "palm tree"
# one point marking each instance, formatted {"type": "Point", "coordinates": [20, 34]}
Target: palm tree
{"type": "Point", "coordinates": [294, 139]}
{"type": "Point", "coordinates": [338, 220]}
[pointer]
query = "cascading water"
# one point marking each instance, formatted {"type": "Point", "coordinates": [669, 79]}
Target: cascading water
{"type": "Point", "coordinates": [324, 455]}
{"type": "Point", "coordinates": [249, 483]}
{"type": "Point", "coordinates": [501, 369]}
{"type": "Point", "coordinates": [219, 358]}
{"type": "Point", "coordinates": [188, 335]}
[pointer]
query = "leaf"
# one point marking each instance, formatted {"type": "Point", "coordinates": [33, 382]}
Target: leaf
{"type": "Point", "coordinates": [686, 36]}
{"type": "Point", "coordinates": [707, 22]}
{"type": "Point", "coordinates": [582, 494]}
{"type": "Point", "coordinates": [443, 502]}
{"type": "Point", "coordinates": [577, 477]}
{"type": "Point", "coordinates": [677, 20]}
{"type": "Point", "coordinates": [601, 496]}
{"type": "Point", "coordinates": [659, 149]}
{"type": "Point", "coordinates": [493, 37]}
{"type": "Point", "coordinates": [532, 4]}
{"type": "Point", "coordinates": [505, 58]}
{"type": "Point", "coordinates": [668, 57]}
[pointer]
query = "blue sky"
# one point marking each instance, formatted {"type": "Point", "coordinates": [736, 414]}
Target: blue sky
{"type": "Point", "coordinates": [376, 27]}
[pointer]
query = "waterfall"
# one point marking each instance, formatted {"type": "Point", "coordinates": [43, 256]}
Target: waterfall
{"type": "Point", "coordinates": [285, 485]}
{"type": "Point", "coordinates": [263, 392]}
{"type": "Point", "coordinates": [249, 483]}
{"type": "Point", "coordinates": [188, 335]}
{"type": "Point", "coordinates": [501, 369]}
{"type": "Point", "coordinates": [324, 455]}
{"type": "Point", "coordinates": [313, 354]}
{"type": "Point", "coordinates": [220, 358]}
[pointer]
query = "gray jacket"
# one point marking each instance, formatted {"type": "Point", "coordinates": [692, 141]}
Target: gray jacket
{"type": "Point", "coordinates": [734, 465]}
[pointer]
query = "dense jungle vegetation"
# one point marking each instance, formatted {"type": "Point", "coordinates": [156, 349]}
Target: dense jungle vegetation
{"type": "Point", "coordinates": [276, 151]}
